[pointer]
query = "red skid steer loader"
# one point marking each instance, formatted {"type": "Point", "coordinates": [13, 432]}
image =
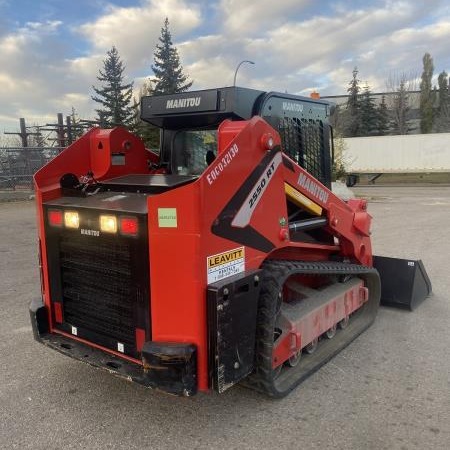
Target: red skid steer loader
{"type": "Point", "coordinates": [224, 258]}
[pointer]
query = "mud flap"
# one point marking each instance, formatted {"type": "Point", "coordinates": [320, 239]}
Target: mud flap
{"type": "Point", "coordinates": [404, 282]}
{"type": "Point", "coordinates": [232, 312]}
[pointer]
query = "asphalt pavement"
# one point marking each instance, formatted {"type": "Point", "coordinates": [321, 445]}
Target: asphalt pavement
{"type": "Point", "coordinates": [390, 389]}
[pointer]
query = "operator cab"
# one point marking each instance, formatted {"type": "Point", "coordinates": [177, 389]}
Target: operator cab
{"type": "Point", "coordinates": [189, 123]}
{"type": "Point", "coordinates": [193, 151]}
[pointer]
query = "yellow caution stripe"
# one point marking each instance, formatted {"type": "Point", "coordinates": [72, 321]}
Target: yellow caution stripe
{"type": "Point", "coordinates": [301, 200]}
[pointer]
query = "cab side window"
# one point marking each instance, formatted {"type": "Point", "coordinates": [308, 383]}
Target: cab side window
{"type": "Point", "coordinates": [193, 151]}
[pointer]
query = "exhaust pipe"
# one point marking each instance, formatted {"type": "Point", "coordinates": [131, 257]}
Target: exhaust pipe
{"type": "Point", "coordinates": [404, 282]}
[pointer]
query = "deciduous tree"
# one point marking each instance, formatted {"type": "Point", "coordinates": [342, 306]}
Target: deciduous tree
{"type": "Point", "coordinates": [442, 121]}
{"type": "Point", "coordinates": [147, 132]}
{"type": "Point", "coordinates": [400, 86]}
{"type": "Point", "coordinates": [426, 95]}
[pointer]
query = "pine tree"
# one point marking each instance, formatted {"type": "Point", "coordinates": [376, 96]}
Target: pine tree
{"type": "Point", "coordinates": [368, 114]}
{"type": "Point", "coordinates": [382, 118]}
{"type": "Point", "coordinates": [426, 95]}
{"type": "Point", "coordinates": [442, 122]}
{"type": "Point", "coordinates": [114, 96]}
{"type": "Point", "coordinates": [353, 111]}
{"type": "Point", "coordinates": [169, 77]}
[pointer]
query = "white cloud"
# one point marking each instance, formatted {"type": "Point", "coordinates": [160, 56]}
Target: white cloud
{"type": "Point", "coordinates": [37, 78]}
{"type": "Point", "coordinates": [258, 16]}
{"type": "Point", "coordinates": [49, 27]}
{"type": "Point", "coordinates": [210, 73]}
{"type": "Point", "coordinates": [135, 30]}
{"type": "Point", "coordinates": [322, 50]}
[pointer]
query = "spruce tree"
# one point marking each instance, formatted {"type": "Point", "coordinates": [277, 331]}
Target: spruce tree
{"type": "Point", "coordinates": [114, 95]}
{"type": "Point", "coordinates": [382, 118]}
{"type": "Point", "coordinates": [169, 77]}
{"type": "Point", "coordinates": [368, 114]}
{"type": "Point", "coordinates": [426, 95]}
{"type": "Point", "coordinates": [353, 111]}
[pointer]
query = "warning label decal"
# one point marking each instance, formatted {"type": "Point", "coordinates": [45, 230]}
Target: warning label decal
{"type": "Point", "coordinates": [225, 264]}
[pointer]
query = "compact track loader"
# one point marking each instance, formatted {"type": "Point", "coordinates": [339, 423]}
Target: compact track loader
{"type": "Point", "coordinates": [224, 258]}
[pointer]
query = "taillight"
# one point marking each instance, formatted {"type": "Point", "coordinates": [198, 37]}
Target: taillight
{"type": "Point", "coordinates": [55, 217]}
{"type": "Point", "coordinates": [129, 225]}
{"type": "Point", "coordinates": [108, 224]}
{"type": "Point", "coordinates": [71, 219]}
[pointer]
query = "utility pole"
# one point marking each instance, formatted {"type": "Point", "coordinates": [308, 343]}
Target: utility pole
{"type": "Point", "coordinates": [69, 130]}
{"type": "Point", "coordinates": [23, 133]}
{"type": "Point", "coordinates": [60, 131]}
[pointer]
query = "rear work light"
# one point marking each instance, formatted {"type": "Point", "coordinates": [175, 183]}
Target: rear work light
{"type": "Point", "coordinates": [108, 224]}
{"type": "Point", "coordinates": [129, 225]}
{"type": "Point", "coordinates": [55, 217]}
{"type": "Point", "coordinates": [71, 219]}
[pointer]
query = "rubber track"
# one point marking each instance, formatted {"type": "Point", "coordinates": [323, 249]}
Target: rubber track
{"type": "Point", "coordinates": [275, 274]}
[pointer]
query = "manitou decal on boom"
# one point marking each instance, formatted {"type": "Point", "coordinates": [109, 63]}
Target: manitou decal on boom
{"type": "Point", "coordinates": [224, 258]}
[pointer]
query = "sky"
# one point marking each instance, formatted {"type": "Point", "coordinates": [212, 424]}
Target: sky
{"type": "Point", "coordinates": [51, 50]}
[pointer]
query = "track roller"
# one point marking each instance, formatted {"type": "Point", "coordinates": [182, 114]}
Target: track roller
{"type": "Point", "coordinates": [295, 359]}
{"type": "Point", "coordinates": [312, 346]}
{"type": "Point", "coordinates": [331, 333]}
{"type": "Point", "coordinates": [344, 323]}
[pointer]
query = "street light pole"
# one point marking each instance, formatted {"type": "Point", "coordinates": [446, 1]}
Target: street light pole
{"type": "Point", "coordinates": [237, 68]}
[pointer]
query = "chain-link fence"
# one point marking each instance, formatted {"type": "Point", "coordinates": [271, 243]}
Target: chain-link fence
{"type": "Point", "coordinates": [19, 164]}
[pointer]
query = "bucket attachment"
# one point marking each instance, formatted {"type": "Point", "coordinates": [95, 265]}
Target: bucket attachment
{"type": "Point", "coordinates": [404, 282]}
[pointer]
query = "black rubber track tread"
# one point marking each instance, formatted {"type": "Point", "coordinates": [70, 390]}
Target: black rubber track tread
{"type": "Point", "coordinates": [275, 274]}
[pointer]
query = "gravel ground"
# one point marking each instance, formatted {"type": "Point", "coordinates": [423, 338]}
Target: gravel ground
{"type": "Point", "coordinates": [390, 389]}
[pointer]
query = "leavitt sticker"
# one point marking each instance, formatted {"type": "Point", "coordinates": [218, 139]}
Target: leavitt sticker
{"type": "Point", "coordinates": [167, 217]}
{"type": "Point", "coordinates": [226, 264]}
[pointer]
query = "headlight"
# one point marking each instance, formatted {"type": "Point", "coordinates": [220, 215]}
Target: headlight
{"type": "Point", "coordinates": [71, 219]}
{"type": "Point", "coordinates": [108, 224]}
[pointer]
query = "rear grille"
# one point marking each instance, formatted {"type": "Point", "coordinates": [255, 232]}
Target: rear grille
{"type": "Point", "coordinates": [98, 291]}
{"type": "Point", "coordinates": [303, 141]}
